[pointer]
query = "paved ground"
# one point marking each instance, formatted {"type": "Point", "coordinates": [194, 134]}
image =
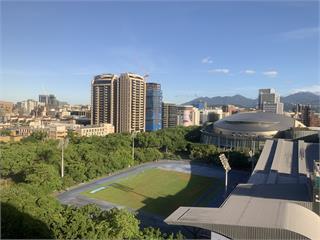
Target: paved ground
{"type": "Point", "coordinates": [74, 197]}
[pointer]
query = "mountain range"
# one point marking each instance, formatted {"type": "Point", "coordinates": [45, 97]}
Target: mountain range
{"type": "Point", "coordinates": [241, 101]}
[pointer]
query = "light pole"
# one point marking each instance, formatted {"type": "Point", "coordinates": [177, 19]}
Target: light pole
{"type": "Point", "coordinates": [63, 143]}
{"type": "Point", "coordinates": [133, 135]}
{"type": "Point", "coordinates": [225, 163]}
{"type": "Point", "coordinates": [251, 159]}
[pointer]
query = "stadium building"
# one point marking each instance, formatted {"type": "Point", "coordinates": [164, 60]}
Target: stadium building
{"type": "Point", "coordinates": [248, 130]}
{"type": "Point", "coordinates": [280, 200]}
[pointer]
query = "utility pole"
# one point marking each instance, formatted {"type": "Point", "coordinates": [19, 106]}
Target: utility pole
{"type": "Point", "coordinates": [63, 143]}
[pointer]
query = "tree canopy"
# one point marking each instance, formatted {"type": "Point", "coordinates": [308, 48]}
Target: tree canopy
{"type": "Point", "coordinates": [33, 166]}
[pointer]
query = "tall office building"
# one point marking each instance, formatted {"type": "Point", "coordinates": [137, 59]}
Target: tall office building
{"type": "Point", "coordinates": [104, 99]}
{"type": "Point", "coordinates": [49, 100]}
{"type": "Point", "coordinates": [131, 104]}
{"type": "Point", "coordinates": [169, 115]}
{"type": "Point", "coordinates": [153, 107]}
{"type": "Point", "coordinates": [44, 99]}
{"type": "Point", "coordinates": [269, 101]}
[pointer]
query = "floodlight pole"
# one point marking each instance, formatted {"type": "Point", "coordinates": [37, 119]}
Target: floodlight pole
{"type": "Point", "coordinates": [63, 144]}
{"type": "Point", "coordinates": [62, 161]}
{"type": "Point", "coordinates": [226, 166]}
{"type": "Point", "coordinates": [226, 181]}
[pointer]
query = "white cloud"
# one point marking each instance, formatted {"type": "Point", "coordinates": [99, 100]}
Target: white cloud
{"type": "Point", "coordinates": [219, 70]}
{"type": "Point", "coordinates": [249, 71]}
{"type": "Point", "coordinates": [207, 60]}
{"type": "Point", "coordinates": [271, 73]}
{"type": "Point", "coordinates": [313, 88]}
{"type": "Point", "coordinates": [301, 33]}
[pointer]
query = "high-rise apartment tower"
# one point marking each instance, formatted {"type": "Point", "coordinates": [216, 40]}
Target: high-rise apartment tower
{"type": "Point", "coordinates": [103, 99]}
{"type": "Point", "coordinates": [131, 103]}
{"type": "Point", "coordinates": [169, 115]}
{"type": "Point", "coordinates": [119, 101]}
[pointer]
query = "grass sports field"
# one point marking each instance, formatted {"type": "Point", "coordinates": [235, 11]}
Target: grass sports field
{"type": "Point", "coordinates": [158, 191]}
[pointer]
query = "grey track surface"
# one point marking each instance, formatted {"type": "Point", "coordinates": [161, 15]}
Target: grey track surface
{"type": "Point", "coordinates": [73, 196]}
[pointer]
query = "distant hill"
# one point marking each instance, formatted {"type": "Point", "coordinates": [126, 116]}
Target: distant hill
{"type": "Point", "coordinates": [302, 98]}
{"type": "Point", "coordinates": [241, 101]}
{"type": "Point", "coordinates": [237, 100]}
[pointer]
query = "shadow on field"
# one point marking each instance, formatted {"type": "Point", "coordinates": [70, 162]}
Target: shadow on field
{"type": "Point", "coordinates": [18, 225]}
{"type": "Point", "coordinates": [213, 196]}
{"type": "Point", "coordinates": [126, 189]}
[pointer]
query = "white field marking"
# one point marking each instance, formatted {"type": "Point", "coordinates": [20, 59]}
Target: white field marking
{"type": "Point", "coordinates": [97, 190]}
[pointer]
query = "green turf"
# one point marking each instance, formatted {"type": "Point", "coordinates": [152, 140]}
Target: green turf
{"type": "Point", "coordinates": [159, 191]}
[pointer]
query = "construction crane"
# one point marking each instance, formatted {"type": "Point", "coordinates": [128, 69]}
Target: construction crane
{"type": "Point", "coordinates": [146, 77]}
{"type": "Point", "coordinates": [142, 67]}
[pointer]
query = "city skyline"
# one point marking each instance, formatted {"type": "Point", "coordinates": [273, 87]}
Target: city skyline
{"type": "Point", "coordinates": [191, 49]}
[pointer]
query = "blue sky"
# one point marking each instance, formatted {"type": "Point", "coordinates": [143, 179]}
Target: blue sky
{"type": "Point", "coordinates": [192, 48]}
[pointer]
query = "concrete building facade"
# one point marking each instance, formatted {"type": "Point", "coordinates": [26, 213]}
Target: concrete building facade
{"type": "Point", "coordinates": [6, 107]}
{"type": "Point", "coordinates": [103, 99]}
{"type": "Point", "coordinates": [131, 104]}
{"type": "Point", "coordinates": [120, 101]}
{"type": "Point", "coordinates": [27, 106]}
{"type": "Point", "coordinates": [269, 101]}
{"type": "Point", "coordinates": [98, 130]}
{"type": "Point", "coordinates": [169, 115]}
{"type": "Point", "coordinates": [188, 115]}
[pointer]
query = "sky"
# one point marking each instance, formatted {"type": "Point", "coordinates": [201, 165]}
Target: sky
{"type": "Point", "coordinates": [192, 48]}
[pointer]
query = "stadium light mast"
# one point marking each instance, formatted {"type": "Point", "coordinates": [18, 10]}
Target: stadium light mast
{"type": "Point", "coordinates": [251, 159]}
{"type": "Point", "coordinates": [63, 143]}
{"type": "Point", "coordinates": [225, 163]}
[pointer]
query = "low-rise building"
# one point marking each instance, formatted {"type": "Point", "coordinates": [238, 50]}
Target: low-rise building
{"type": "Point", "coordinates": [6, 107]}
{"type": "Point", "coordinates": [188, 115]}
{"type": "Point", "coordinates": [211, 115]}
{"type": "Point", "coordinates": [96, 130]}
{"type": "Point", "coordinates": [56, 131]}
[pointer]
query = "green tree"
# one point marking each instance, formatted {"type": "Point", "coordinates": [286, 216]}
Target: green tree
{"type": "Point", "coordinates": [5, 132]}
{"type": "Point", "coordinates": [44, 176]}
{"type": "Point", "coordinates": [122, 223]}
{"type": "Point", "coordinates": [37, 136]}
{"type": "Point", "coordinates": [202, 152]}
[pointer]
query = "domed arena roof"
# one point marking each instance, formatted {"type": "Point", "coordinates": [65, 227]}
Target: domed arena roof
{"type": "Point", "coordinates": [254, 123]}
